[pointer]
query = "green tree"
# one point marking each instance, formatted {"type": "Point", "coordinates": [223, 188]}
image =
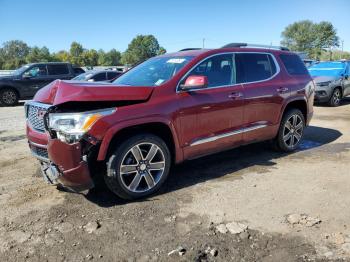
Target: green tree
{"type": "Point", "coordinates": [37, 54]}
{"type": "Point", "coordinates": [61, 56]}
{"type": "Point", "coordinates": [14, 54]}
{"type": "Point", "coordinates": [141, 48]}
{"type": "Point", "coordinates": [90, 57]}
{"type": "Point", "coordinates": [310, 37]}
{"type": "Point", "coordinates": [76, 52]}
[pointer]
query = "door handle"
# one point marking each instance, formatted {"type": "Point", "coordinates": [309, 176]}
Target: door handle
{"type": "Point", "coordinates": [282, 90]}
{"type": "Point", "coordinates": [235, 95]}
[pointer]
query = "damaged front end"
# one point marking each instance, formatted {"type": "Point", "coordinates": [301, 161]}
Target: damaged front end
{"type": "Point", "coordinates": [69, 151]}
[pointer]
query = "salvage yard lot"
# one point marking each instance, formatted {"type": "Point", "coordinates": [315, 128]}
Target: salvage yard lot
{"type": "Point", "coordinates": [296, 206]}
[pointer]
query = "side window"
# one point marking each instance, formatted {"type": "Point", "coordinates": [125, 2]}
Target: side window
{"type": "Point", "coordinates": [36, 71]}
{"type": "Point", "coordinates": [218, 69]}
{"type": "Point", "coordinates": [99, 77]}
{"type": "Point", "coordinates": [112, 75]}
{"type": "Point", "coordinates": [252, 67]}
{"type": "Point", "coordinates": [293, 64]}
{"type": "Point", "coordinates": [58, 69]}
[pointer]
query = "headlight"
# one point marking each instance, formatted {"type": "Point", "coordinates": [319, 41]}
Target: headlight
{"type": "Point", "coordinates": [70, 127]}
{"type": "Point", "coordinates": [324, 83]}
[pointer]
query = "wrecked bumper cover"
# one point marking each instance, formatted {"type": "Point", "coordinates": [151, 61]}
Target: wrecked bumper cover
{"type": "Point", "coordinates": [65, 165]}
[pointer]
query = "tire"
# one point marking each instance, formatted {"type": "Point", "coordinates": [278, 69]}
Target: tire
{"type": "Point", "coordinates": [138, 178]}
{"type": "Point", "coordinates": [290, 132]}
{"type": "Point", "coordinates": [8, 97]}
{"type": "Point", "coordinates": [334, 101]}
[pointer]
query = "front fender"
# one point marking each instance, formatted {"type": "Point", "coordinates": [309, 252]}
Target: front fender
{"type": "Point", "coordinates": [115, 129]}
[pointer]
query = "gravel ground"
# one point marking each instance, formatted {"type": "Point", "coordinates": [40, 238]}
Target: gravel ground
{"type": "Point", "coordinates": [247, 204]}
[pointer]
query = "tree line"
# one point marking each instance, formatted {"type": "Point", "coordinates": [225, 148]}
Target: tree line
{"type": "Point", "coordinates": [319, 40]}
{"type": "Point", "coordinates": [16, 53]}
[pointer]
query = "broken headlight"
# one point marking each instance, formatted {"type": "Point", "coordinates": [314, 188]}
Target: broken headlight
{"type": "Point", "coordinates": [70, 127]}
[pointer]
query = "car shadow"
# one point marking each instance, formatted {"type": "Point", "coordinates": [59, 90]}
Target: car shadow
{"type": "Point", "coordinates": [260, 155]}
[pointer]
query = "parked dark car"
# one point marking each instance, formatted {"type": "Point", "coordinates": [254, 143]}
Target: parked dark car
{"type": "Point", "coordinates": [98, 76]}
{"type": "Point", "coordinates": [24, 82]}
{"type": "Point", "coordinates": [168, 109]}
{"type": "Point", "coordinates": [332, 81]}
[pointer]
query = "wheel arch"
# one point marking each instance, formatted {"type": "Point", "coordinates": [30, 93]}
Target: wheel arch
{"type": "Point", "coordinates": [300, 104]}
{"type": "Point", "coordinates": [161, 128]}
{"type": "Point", "coordinates": [2, 87]}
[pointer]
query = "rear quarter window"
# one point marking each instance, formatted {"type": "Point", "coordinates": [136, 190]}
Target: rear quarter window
{"type": "Point", "coordinates": [293, 64]}
{"type": "Point", "coordinates": [58, 69]}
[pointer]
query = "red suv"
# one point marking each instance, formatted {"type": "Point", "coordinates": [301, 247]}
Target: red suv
{"type": "Point", "coordinates": [171, 108]}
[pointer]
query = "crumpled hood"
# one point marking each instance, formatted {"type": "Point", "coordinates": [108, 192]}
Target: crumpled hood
{"type": "Point", "coordinates": [320, 79]}
{"type": "Point", "coordinates": [59, 92]}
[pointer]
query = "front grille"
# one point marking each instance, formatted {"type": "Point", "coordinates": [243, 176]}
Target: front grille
{"type": "Point", "coordinates": [39, 152]}
{"type": "Point", "coordinates": [35, 114]}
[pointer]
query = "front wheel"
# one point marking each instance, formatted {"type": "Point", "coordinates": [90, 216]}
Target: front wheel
{"type": "Point", "coordinates": [335, 98]}
{"type": "Point", "coordinates": [291, 131]}
{"type": "Point", "coordinates": [138, 167]}
{"type": "Point", "coordinates": [8, 97]}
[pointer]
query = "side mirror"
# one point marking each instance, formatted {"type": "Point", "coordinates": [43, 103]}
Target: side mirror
{"type": "Point", "coordinates": [195, 82]}
{"type": "Point", "coordinates": [91, 80]}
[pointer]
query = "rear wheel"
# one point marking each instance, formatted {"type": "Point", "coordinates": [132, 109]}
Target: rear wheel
{"type": "Point", "coordinates": [335, 98]}
{"type": "Point", "coordinates": [291, 131]}
{"type": "Point", "coordinates": [8, 97]}
{"type": "Point", "coordinates": [138, 167]}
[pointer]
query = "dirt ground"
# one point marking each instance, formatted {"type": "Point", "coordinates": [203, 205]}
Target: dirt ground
{"type": "Point", "coordinates": [294, 207]}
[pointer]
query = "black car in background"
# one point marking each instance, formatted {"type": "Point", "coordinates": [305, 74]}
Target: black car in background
{"type": "Point", "coordinates": [98, 76]}
{"type": "Point", "coordinates": [24, 82]}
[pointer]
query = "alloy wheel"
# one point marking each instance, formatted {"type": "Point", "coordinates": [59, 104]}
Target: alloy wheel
{"type": "Point", "coordinates": [142, 167]}
{"type": "Point", "coordinates": [336, 97]}
{"type": "Point", "coordinates": [9, 97]}
{"type": "Point", "coordinates": [293, 131]}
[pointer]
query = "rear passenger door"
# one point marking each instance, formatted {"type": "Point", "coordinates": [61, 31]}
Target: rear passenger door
{"type": "Point", "coordinates": [263, 95]}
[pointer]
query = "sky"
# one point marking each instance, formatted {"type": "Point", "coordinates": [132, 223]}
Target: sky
{"type": "Point", "coordinates": [176, 24]}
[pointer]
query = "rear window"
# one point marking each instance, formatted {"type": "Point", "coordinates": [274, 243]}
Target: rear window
{"type": "Point", "coordinates": [252, 67]}
{"type": "Point", "coordinates": [58, 69]}
{"type": "Point", "coordinates": [294, 65]}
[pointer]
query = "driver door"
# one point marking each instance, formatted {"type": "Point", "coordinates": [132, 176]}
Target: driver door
{"type": "Point", "coordinates": [33, 79]}
{"type": "Point", "coordinates": [210, 118]}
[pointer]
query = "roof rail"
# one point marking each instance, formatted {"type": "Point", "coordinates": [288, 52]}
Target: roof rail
{"type": "Point", "coordinates": [255, 45]}
{"type": "Point", "coordinates": [188, 49]}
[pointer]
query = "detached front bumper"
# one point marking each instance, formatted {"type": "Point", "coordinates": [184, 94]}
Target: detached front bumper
{"type": "Point", "coordinates": [61, 163]}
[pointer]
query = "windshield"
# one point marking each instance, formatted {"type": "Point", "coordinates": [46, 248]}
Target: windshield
{"type": "Point", "coordinates": [327, 69]}
{"type": "Point", "coordinates": [154, 71]}
{"type": "Point", "coordinates": [83, 77]}
{"type": "Point", "coordinates": [20, 70]}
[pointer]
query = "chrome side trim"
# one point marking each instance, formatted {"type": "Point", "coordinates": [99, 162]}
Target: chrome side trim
{"type": "Point", "coordinates": [236, 132]}
{"type": "Point", "coordinates": [278, 70]}
{"type": "Point", "coordinates": [37, 145]}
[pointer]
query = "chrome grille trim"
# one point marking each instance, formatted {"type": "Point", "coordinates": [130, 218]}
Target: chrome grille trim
{"type": "Point", "coordinates": [32, 110]}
